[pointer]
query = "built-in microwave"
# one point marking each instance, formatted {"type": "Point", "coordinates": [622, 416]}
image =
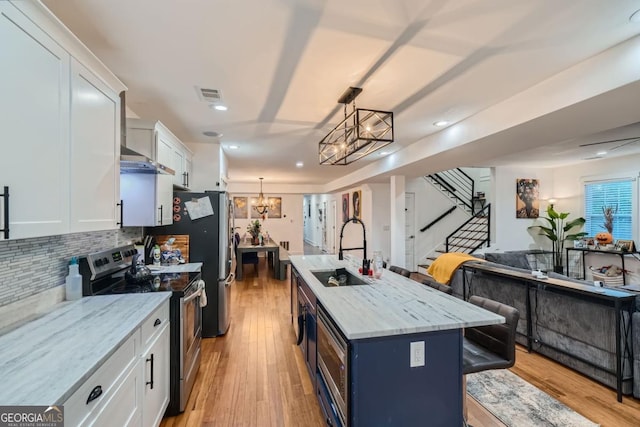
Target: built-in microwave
{"type": "Point", "coordinates": [333, 363]}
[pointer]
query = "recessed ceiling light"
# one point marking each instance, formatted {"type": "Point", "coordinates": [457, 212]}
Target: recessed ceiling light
{"type": "Point", "coordinates": [601, 153]}
{"type": "Point", "coordinates": [212, 134]}
{"type": "Point", "coordinates": [635, 16]}
{"type": "Point", "coordinates": [233, 147]}
{"type": "Point", "coordinates": [441, 123]}
{"type": "Point", "coordinates": [299, 164]}
{"type": "Point", "coordinates": [219, 107]}
{"type": "Point", "coordinates": [384, 153]}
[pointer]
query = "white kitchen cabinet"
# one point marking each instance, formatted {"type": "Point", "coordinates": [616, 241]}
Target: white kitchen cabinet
{"type": "Point", "coordinates": [60, 124]}
{"type": "Point", "coordinates": [116, 380]}
{"type": "Point", "coordinates": [155, 395]}
{"type": "Point", "coordinates": [181, 163]}
{"type": "Point", "coordinates": [34, 127]}
{"type": "Point", "coordinates": [95, 152]}
{"type": "Point", "coordinates": [148, 198]}
{"type": "Point", "coordinates": [131, 388]}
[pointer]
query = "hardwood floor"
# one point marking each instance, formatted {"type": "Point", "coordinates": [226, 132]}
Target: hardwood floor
{"type": "Point", "coordinates": [255, 375]}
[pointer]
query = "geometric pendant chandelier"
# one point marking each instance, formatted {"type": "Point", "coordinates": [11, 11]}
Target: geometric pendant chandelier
{"type": "Point", "coordinates": [361, 133]}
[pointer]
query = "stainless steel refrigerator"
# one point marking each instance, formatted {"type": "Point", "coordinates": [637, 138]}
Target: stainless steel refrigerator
{"type": "Point", "coordinates": [207, 219]}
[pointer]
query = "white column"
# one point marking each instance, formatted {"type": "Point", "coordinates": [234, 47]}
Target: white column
{"type": "Point", "coordinates": [397, 201]}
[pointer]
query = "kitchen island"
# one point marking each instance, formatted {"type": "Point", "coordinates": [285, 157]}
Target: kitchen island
{"type": "Point", "coordinates": [404, 346]}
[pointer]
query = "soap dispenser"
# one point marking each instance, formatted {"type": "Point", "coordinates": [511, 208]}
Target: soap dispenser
{"type": "Point", "coordinates": [73, 282]}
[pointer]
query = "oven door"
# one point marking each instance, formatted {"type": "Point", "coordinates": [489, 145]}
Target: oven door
{"type": "Point", "coordinates": [332, 363]}
{"type": "Point", "coordinates": [190, 337]}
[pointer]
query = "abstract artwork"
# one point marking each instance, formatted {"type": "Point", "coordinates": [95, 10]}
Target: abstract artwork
{"type": "Point", "coordinates": [240, 208]}
{"type": "Point", "coordinates": [275, 207]}
{"type": "Point", "coordinates": [527, 202]}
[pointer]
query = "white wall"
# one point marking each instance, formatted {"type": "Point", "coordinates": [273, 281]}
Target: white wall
{"type": "Point", "coordinates": [379, 230]}
{"type": "Point", "coordinates": [430, 203]}
{"type": "Point", "coordinates": [511, 233]}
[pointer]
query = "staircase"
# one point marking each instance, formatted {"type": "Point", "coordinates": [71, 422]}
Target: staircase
{"type": "Point", "coordinates": [473, 233]}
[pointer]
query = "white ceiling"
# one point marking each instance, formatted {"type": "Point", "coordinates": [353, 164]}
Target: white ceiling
{"type": "Point", "coordinates": [282, 64]}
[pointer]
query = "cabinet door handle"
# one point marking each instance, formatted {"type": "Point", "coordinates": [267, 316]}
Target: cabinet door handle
{"type": "Point", "coordinates": [5, 194]}
{"type": "Point", "coordinates": [300, 327]}
{"type": "Point", "coordinates": [95, 393]}
{"type": "Point", "coordinates": [121, 204]}
{"type": "Point", "coordinates": [150, 383]}
{"type": "Point", "coordinates": [187, 178]}
{"type": "Point", "coordinates": [157, 322]}
{"type": "Point", "coordinates": [160, 209]}
{"type": "Point", "coordinates": [184, 179]}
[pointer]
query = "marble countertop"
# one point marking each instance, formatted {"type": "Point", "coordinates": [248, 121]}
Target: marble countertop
{"type": "Point", "coordinates": [391, 305]}
{"type": "Point", "coordinates": [44, 361]}
{"type": "Point", "coordinates": [191, 267]}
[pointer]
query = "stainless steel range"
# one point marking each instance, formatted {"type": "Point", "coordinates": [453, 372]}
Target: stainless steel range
{"type": "Point", "coordinates": [110, 272]}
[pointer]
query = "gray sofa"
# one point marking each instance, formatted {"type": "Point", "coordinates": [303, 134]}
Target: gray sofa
{"type": "Point", "coordinates": [567, 327]}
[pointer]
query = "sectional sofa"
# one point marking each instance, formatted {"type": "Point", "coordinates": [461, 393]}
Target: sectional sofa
{"type": "Point", "coordinates": [577, 329]}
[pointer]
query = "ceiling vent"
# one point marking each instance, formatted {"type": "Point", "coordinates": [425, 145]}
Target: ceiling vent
{"type": "Point", "coordinates": [209, 95]}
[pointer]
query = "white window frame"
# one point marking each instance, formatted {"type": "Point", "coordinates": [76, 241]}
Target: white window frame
{"type": "Point", "coordinates": [622, 176]}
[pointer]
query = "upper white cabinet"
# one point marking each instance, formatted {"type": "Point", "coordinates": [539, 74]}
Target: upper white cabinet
{"type": "Point", "coordinates": [59, 122]}
{"type": "Point", "coordinates": [95, 152]}
{"type": "Point", "coordinates": [156, 141]}
{"type": "Point", "coordinates": [34, 127]}
{"type": "Point", "coordinates": [148, 199]}
{"type": "Point", "coordinates": [181, 162]}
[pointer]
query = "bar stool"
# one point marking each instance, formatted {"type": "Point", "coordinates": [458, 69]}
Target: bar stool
{"type": "Point", "coordinates": [489, 347]}
{"type": "Point", "coordinates": [439, 286]}
{"type": "Point", "coordinates": [402, 271]}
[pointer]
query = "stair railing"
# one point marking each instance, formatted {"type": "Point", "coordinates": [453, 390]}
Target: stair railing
{"type": "Point", "coordinates": [435, 221]}
{"type": "Point", "coordinates": [457, 183]}
{"type": "Point", "coordinates": [480, 233]}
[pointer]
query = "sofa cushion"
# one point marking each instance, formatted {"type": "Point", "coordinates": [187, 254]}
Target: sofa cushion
{"type": "Point", "coordinates": [512, 259]}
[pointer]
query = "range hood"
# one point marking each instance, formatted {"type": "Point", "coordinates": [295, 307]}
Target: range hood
{"type": "Point", "coordinates": [132, 162]}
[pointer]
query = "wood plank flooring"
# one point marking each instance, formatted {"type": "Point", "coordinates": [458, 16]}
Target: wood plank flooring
{"type": "Point", "coordinates": [255, 374]}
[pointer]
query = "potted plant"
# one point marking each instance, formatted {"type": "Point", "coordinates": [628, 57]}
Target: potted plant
{"type": "Point", "coordinates": [557, 232]}
{"type": "Point", "coordinates": [254, 229]}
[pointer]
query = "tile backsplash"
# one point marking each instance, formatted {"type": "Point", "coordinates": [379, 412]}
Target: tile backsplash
{"type": "Point", "coordinates": [30, 266]}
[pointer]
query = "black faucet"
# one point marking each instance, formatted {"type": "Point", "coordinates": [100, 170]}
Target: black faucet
{"type": "Point", "coordinates": [364, 239]}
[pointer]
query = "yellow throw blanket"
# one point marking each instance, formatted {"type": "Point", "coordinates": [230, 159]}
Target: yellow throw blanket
{"type": "Point", "coordinates": [443, 268]}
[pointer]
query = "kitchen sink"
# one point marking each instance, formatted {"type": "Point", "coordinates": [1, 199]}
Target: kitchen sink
{"type": "Point", "coordinates": [348, 280]}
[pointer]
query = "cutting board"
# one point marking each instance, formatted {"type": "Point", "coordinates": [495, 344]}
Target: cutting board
{"type": "Point", "coordinates": [181, 242]}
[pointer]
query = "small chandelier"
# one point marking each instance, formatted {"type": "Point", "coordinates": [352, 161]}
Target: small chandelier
{"type": "Point", "coordinates": [262, 207]}
{"type": "Point", "coordinates": [360, 133]}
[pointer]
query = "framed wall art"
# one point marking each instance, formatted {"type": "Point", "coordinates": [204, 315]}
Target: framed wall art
{"type": "Point", "coordinates": [527, 201]}
{"type": "Point", "coordinates": [357, 203]}
{"type": "Point", "coordinates": [345, 207]}
{"type": "Point", "coordinates": [240, 208]}
{"type": "Point", "coordinates": [275, 207]}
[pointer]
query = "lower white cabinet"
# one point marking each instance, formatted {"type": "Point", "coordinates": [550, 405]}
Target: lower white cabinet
{"type": "Point", "coordinates": [155, 395]}
{"type": "Point", "coordinates": [131, 388]}
{"type": "Point", "coordinates": [93, 400]}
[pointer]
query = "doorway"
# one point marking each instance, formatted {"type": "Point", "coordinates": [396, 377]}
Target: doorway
{"type": "Point", "coordinates": [409, 231]}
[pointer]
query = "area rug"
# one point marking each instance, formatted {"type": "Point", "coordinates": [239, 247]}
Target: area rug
{"type": "Point", "coordinates": [517, 403]}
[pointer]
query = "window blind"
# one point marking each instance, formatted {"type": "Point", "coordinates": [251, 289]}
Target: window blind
{"type": "Point", "coordinates": [609, 193]}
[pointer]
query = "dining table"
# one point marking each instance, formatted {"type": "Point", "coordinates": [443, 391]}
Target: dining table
{"type": "Point", "coordinates": [269, 246]}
